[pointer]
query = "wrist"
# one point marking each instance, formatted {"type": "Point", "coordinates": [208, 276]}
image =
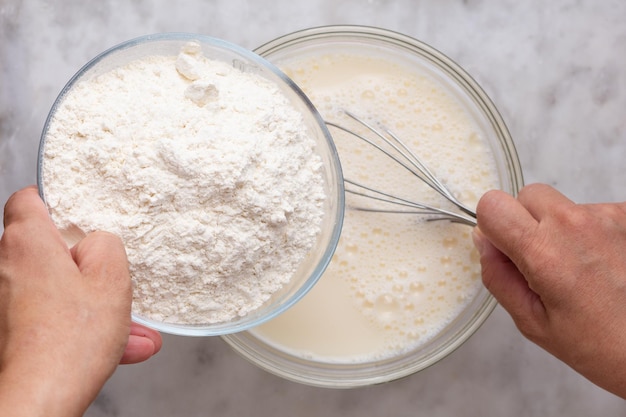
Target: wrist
{"type": "Point", "coordinates": [38, 393]}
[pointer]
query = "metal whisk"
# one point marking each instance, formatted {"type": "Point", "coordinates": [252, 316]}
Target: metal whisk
{"type": "Point", "coordinates": [400, 153]}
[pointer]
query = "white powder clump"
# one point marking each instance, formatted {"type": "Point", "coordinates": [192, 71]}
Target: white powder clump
{"type": "Point", "coordinates": [207, 173]}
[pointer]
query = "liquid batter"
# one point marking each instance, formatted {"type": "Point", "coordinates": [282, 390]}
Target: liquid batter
{"type": "Point", "coordinates": [395, 280]}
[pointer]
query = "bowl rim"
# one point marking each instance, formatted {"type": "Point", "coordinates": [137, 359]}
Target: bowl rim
{"type": "Point", "coordinates": [271, 359]}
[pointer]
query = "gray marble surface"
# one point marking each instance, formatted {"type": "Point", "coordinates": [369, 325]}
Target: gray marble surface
{"type": "Point", "coordinates": [557, 72]}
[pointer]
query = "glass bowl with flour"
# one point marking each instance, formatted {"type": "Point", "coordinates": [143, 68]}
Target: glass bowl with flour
{"type": "Point", "coordinates": [401, 292]}
{"type": "Point", "coordinates": [212, 166]}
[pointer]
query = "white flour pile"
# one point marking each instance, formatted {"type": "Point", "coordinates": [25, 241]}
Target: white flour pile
{"type": "Point", "coordinates": [207, 173]}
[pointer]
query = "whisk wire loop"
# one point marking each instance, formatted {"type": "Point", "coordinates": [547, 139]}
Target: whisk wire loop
{"type": "Point", "coordinates": [436, 213]}
{"type": "Point", "coordinates": [406, 158]}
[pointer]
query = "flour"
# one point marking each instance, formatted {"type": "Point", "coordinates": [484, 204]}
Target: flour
{"type": "Point", "coordinates": [207, 174]}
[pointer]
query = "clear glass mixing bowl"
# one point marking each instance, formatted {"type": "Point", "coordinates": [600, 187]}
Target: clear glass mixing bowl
{"type": "Point", "coordinates": [311, 269]}
{"type": "Point", "coordinates": [479, 106]}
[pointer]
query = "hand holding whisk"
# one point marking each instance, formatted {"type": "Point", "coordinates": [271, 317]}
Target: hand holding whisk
{"type": "Point", "coordinates": [400, 153]}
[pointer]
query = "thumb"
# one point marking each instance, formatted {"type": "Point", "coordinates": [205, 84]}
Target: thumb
{"type": "Point", "coordinates": [101, 257]}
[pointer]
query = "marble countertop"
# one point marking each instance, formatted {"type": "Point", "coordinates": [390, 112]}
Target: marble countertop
{"type": "Point", "coordinates": [557, 72]}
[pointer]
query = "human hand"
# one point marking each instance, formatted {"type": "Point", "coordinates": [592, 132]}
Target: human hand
{"type": "Point", "coordinates": [64, 314]}
{"type": "Point", "coordinates": [559, 269]}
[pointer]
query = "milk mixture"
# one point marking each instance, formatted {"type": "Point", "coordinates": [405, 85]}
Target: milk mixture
{"type": "Point", "coordinates": [395, 280]}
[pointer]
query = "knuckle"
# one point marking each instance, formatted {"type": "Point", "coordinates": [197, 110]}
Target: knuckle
{"type": "Point", "coordinates": [531, 191]}
{"type": "Point", "coordinates": [573, 218]}
{"type": "Point", "coordinates": [532, 325]}
{"type": "Point", "coordinates": [532, 188]}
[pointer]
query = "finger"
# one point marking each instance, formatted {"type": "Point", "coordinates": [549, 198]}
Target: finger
{"type": "Point", "coordinates": [143, 343]}
{"type": "Point", "coordinates": [541, 199]}
{"type": "Point", "coordinates": [505, 222]}
{"type": "Point", "coordinates": [101, 249]}
{"type": "Point", "coordinates": [101, 256]}
{"type": "Point", "coordinates": [25, 205]}
{"type": "Point", "coordinates": [143, 331]}
{"type": "Point", "coordinates": [507, 284]}
{"type": "Point", "coordinates": [30, 233]}
{"type": "Point", "coordinates": [138, 349]}
{"type": "Point", "coordinates": [500, 275]}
